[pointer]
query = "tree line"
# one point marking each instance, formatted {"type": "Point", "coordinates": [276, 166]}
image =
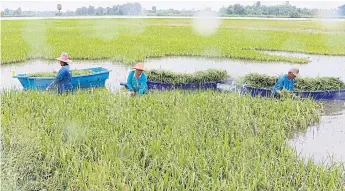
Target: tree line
{"type": "Point", "coordinates": [125, 9]}
{"type": "Point", "coordinates": [284, 10]}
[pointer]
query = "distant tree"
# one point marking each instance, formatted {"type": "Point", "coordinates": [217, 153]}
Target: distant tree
{"type": "Point", "coordinates": [341, 10]}
{"type": "Point", "coordinates": [116, 9]}
{"type": "Point", "coordinates": [18, 12]}
{"type": "Point", "coordinates": [238, 9]}
{"type": "Point", "coordinates": [100, 11]}
{"type": "Point", "coordinates": [78, 11]}
{"type": "Point", "coordinates": [249, 10]}
{"type": "Point", "coordinates": [84, 11]}
{"type": "Point", "coordinates": [223, 11]}
{"type": "Point", "coordinates": [273, 10]}
{"type": "Point", "coordinates": [258, 4]}
{"type": "Point", "coordinates": [294, 15]}
{"type": "Point", "coordinates": [69, 13]}
{"type": "Point", "coordinates": [6, 11]}
{"type": "Point", "coordinates": [287, 3]}
{"type": "Point", "coordinates": [91, 10]}
{"type": "Point", "coordinates": [130, 9]}
{"type": "Point", "coordinates": [154, 9]}
{"type": "Point", "coordinates": [230, 10]}
{"type": "Point", "coordinates": [59, 7]}
{"type": "Point", "coordinates": [109, 11]}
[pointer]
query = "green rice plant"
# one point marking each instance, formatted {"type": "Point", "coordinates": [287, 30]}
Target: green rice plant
{"type": "Point", "coordinates": [175, 140]}
{"type": "Point", "coordinates": [210, 75]}
{"type": "Point", "coordinates": [258, 80]}
{"type": "Point", "coordinates": [319, 83]}
{"type": "Point", "coordinates": [53, 74]}
{"type": "Point", "coordinates": [307, 83]}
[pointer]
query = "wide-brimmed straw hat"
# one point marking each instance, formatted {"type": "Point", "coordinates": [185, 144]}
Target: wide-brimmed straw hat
{"type": "Point", "coordinates": [295, 71]}
{"type": "Point", "coordinates": [64, 57]}
{"type": "Point", "coordinates": [139, 66]}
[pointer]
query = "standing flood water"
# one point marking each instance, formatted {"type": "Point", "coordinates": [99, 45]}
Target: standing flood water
{"type": "Point", "coordinates": [319, 66]}
{"type": "Point", "coordinates": [324, 142]}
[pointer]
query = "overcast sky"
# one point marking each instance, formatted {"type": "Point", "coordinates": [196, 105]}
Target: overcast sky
{"type": "Point", "coordinates": [163, 4]}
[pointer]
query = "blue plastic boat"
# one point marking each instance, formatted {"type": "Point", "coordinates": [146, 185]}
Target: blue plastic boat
{"type": "Point", "coordinates": [230, 85]}
{"type": "Point", "coordinates": [154, 85]}
{"type": "Point", "coordinates": [316, 95]}
{"type": "Point", "coordinates": [95, 79]}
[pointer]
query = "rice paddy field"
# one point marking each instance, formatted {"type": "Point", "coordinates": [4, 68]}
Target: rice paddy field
{"type": "Point", "coordinates": [97, 139]}
{"type": "Point", "coordinates": [130, 40]}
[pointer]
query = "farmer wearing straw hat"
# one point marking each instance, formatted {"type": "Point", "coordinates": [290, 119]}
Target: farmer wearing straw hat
{"type": "Point", "coordinates": [63, 80]}
{"type": "Point", "coordinates": [137, 80]}
{"type": "Point", "coordinates": [286, 81]}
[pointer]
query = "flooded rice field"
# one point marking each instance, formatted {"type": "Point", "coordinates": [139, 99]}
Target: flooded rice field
{"type": "Point", "coordinates": [319, 65]}
{"type": "Point", "coordinates": [323, 142]}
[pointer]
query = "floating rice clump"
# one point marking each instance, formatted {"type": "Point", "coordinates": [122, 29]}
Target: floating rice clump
{"type": "Point", "coordinates": [53, 74]}
{"type": "Point", "coordinates": [210, 75]}
{"type": "Point", "coordinates": [307, 83]}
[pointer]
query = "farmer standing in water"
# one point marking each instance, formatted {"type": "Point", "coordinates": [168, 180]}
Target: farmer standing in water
{"type": "Point", "coordinates": [285, 81]}
{"type": "Point", "coordinates": [63, 80]}
{"type": "Point", "coordinates": [137, 80]}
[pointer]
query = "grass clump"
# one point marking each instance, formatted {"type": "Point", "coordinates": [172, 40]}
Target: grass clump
{"type": "Point", "coordinates": [210, 75]}
{"type": "Point", "coordinates": [307, 83]}
{"type": "Point", "coordinates": [53, 74]}
{"type": "Point", "coordinates": [95, 140]}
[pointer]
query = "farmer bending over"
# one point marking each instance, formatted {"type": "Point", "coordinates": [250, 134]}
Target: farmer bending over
{"type": "Point", "coordinates": [137, 80]}
{"type": "Point", "coordinates": [63, 80]}
{"type": "Point", "coordinates": [285, 81]}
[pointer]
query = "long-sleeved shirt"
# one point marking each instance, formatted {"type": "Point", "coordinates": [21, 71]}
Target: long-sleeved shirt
{"type": "Point", "coordinates": [63, 80]}
{"type": "Point", "coordinates": [283, 82]}
{"type": "Point", "coordinates": [137, 85]}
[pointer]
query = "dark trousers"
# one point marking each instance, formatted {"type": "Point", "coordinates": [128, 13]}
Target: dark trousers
{"type": "Point", "coordinates": [277, 96]}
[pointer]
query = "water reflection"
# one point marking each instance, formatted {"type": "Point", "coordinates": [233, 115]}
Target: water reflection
{"type": "Point", "coordinates": [325, 142]}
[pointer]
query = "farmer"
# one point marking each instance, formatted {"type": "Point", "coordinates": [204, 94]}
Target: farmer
{"type": "Point", "coordinates": [137, 80]}
{"type": "Point", "coordinates": [286, 81]}
{"type": "Point", "coordinates": [63, 79]}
